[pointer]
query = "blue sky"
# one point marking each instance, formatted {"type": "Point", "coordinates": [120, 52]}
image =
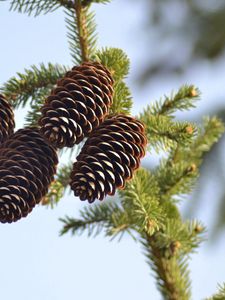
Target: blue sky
{"type": "Point", "coordinates": [37, 264]}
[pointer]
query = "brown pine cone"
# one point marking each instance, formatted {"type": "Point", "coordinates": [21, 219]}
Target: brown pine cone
{"type": "Point", "coordinates": [27, 167]}
{"type": "Point", "coordinates": [108, 158]}
{"type": "Point", "coordinates": [7, 122]}
{"type": "Point", "coordinates": [77, 105]}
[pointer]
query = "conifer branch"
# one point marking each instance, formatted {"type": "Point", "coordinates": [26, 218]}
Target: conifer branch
{"type": "Point", "coordinates": [171, 271]}
{"type": "Point", "coordinates": [167, 240]}
{"type": "Point", "coordinates": [81, 32]}
{"type": "Point", "coordinates": [32, 84]}
{"type": "Point", "coordinates": [115, 60]}
{"type": "Point", "coordinates": [147, 205]}
{"type": "Point", "coordinates": [207, 136]}
{"type": "Point", "coordinates": [108, 216]}
{"type": "Point", "coordinates": [177, 175]}
{"type": "Point", "coordinates": [78, 225]}
{"type": "Point", "coordinates": [82, 29]}
{"type": "Point", "coordinates": [168, 250]}
{"type": "Point", "coordinates": [184, 99]}
{"type": "Point", "coordinates": [141, 201]}
{"type": "Point", "coordinates": [163, 133]}
{"type": "Point", "coordinates": [178, 237]}
{"type": "Point", "coordinates": [38, 7]}
{"type": "Point", "coordinates": [176, 179]}
{"type": "Point", "coordinates": [122, 99]}
{"type": "Point", "coordinates": [220, 295]}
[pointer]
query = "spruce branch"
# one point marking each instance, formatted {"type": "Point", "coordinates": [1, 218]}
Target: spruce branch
{"type": "Point", "coordinates": [32, 84]}
{"type": "Point", "coordinates": [118, 63]}
{"type": "Point", "coordinates": [184, 99]}
{"type": "Point", "coordinates": [140, 200]}
{"type": "Point", "coordinates": [82, 29]}
{"type": "Point", "coordinates": [163, 133]}
{"type": "Point", "coordinates": [37, 7]}
{"type": "Point", "coordinates": [171, 272]}
{"type": "Point", "coordinates": [207, 136]}
{"type": "Point", "coordinates": [180, 238]}
{"type": "Point", "coordinates": [115, 60]}
{"type": "Point", "coordinates": [122, 99]}
{"type": "Point", "coordinates": [220, 295]}
{"type": "Point", "coordinates": [176, 179]}
{"type": "Point", "coordinates": [168, 250]}
{"type": "Point", "coordinates": [177, 175]}
{"type": "Point", "coordinates": [78, 226]}
{"type": "Point", "coordinates": [82, 36]}
{"type": "Point", "coordinates": [108, 216]}
{"type": "Point", "coordinates": [147, 204]}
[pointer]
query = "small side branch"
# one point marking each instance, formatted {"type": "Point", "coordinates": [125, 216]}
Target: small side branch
{"type": "Point", "coordinates": [32, 83]}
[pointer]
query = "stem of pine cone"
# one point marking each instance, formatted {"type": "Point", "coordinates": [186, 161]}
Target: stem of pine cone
{"type": "Point", "coordinates": [172, 287]}
{"type": "Point", "coordinates": [82, 29]}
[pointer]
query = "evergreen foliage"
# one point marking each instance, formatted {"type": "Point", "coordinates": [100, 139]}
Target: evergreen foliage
{"type": "Point", "coordinates": [108, 216]}
{"type": "Point", "coordinates": [220, 295]}
{"type": "Point", "coordinates": [33, 83]}
{"type": "Point", "coordinates": [81, 33]}
{"type": "Point", "coordinates": [115, 60]}
{"type": "Point", "coordinates": [164, 133]}
{"type": "Point", "coordinates": [118, 63]}
{"type": "Point", "coordinates": [122, 99]}
{"type": "Point", "coordinates": [172, 274]}
{"type": "Point", "coordinates": [147, 207]}
{"type": "Point", "coordinates": [37, 7]}
{"type": "Point", "coordinates": [184, 99]}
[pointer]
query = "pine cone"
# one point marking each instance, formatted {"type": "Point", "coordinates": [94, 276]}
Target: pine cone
{"type": "Point", "coordinates": [7, 122]}
{"type": "Point", "coordinates": [27, 167]}
{"type": "Point", "coordinates": [108, 158]}
{"type": "Point", "coordinates": [77, 105]}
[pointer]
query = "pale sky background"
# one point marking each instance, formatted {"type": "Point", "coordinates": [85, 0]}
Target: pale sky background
{"type": "Point", "coordinates": [37, 264]}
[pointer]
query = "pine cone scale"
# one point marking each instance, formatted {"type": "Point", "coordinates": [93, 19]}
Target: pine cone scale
{"type": "Point", "coordinates": [27, 167]}
{"type": "Point", "coordinates": [77, 105]}
{"type": "Point", "coordinates": [109, 158]}
{"type": "Point", "coordinates": [7, 123]}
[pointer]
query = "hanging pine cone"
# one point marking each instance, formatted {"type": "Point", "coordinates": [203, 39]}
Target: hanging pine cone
{"type": "Point", "coordinates": [27, 167]}
{"type": "Point", "coordinates": [108, 158]}
{"type": "Point", "coordinates": [77, 105]}
{"type": "Point", "coordinates": [7, 122]}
